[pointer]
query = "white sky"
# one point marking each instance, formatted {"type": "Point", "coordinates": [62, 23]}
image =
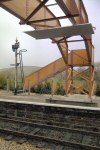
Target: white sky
{"type": "Point", "coordinates": [40, 52]}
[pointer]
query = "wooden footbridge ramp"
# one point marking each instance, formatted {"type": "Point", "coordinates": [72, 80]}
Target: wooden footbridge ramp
{"type": "Point", "coordinates": [40, 15]}
{"type": "Point", "coordinates": [75, 57]}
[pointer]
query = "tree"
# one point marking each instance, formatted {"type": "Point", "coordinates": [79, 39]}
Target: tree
{"type": "Point", "coordinates": [44, 88]}
{"type": "Point", "coordinates": [39, 89]}
{"type": "Point", "coordinates": [97, 93]}
{"type": "Point", "coordinates": [60, 89]}
{"type": "Point", "coordinates": [47, 87]}
{"type": "Point", "coordinates": [3, 81]}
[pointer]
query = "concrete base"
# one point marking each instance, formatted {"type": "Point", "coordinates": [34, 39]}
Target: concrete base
{"type": "Point", "coordinates": [66, 102]}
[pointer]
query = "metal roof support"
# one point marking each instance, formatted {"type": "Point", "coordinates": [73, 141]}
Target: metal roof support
{"type": "Point", "coordinates": [73, 21]}
{"type": "Point", "coordinates": [11, 11]}
{"type": "Point", "coordinates": [62, 53]}
{"type": "Point", "coordinates": [79, 40]}
{"type": "Point", "coordinates": [70, 41]}
{"type": "Point", "coordinates": [64, 9]}
{"type": "Point", "coordinates": [51, 19]}
{"type": "Point", "coordinates": [34, 11]}
{"type": "Point", "coordinates": [51, 4]}
{"type": "Point", "coordinates": [44, 26]}
{"type": "Point", "coordinates": [60, 41]}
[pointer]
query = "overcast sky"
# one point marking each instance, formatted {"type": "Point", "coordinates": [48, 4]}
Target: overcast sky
{"type": "Point", "coordinates": [39, 52]}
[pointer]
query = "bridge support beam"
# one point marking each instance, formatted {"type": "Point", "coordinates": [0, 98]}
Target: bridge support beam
{"type": "Point", "coordinates": [67, 73]}
{"type": "Point", "coordinates": [67, 77]}
{"type": "Point", "coordinates": [72, 79]}
{"type": "Point", "coordinates": [91, 86]}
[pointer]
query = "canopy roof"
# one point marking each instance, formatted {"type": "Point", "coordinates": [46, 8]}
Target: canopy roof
{"type": "Point", "coordinates": [38, 14]}
{"type": "Point", "coordinates": [82, 29]}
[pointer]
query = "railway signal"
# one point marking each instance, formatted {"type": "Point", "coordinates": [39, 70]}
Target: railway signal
{"type": "Point", "coordinates": [15, 49]}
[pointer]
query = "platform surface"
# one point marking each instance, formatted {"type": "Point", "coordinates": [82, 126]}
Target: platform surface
{"type": "Point", "coordinates": [76, 99]}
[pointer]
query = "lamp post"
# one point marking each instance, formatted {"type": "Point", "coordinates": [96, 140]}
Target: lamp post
{"type": "Point", "coordinates": [15, 48]}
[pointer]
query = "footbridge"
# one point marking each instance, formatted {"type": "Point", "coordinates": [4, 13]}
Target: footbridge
{"type": "Point", "coordinates": [39, 15]}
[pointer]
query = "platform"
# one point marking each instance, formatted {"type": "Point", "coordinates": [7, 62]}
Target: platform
{"type": "Point", "coordinates": [76, 99]}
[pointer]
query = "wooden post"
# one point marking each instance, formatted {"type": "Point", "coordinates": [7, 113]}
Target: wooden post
{"type": "Point", "coordinates": [28, 87]}
{"type": "Point", "coordinates": [7, 85]}
{"type": "Point", "coordinates": [53, 88]}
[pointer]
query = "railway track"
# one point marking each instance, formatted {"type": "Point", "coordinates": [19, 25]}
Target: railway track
{"type": "Point", "coordinates": [57, 129]}
{"type": "Point", "coordinates": [49, 133]}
